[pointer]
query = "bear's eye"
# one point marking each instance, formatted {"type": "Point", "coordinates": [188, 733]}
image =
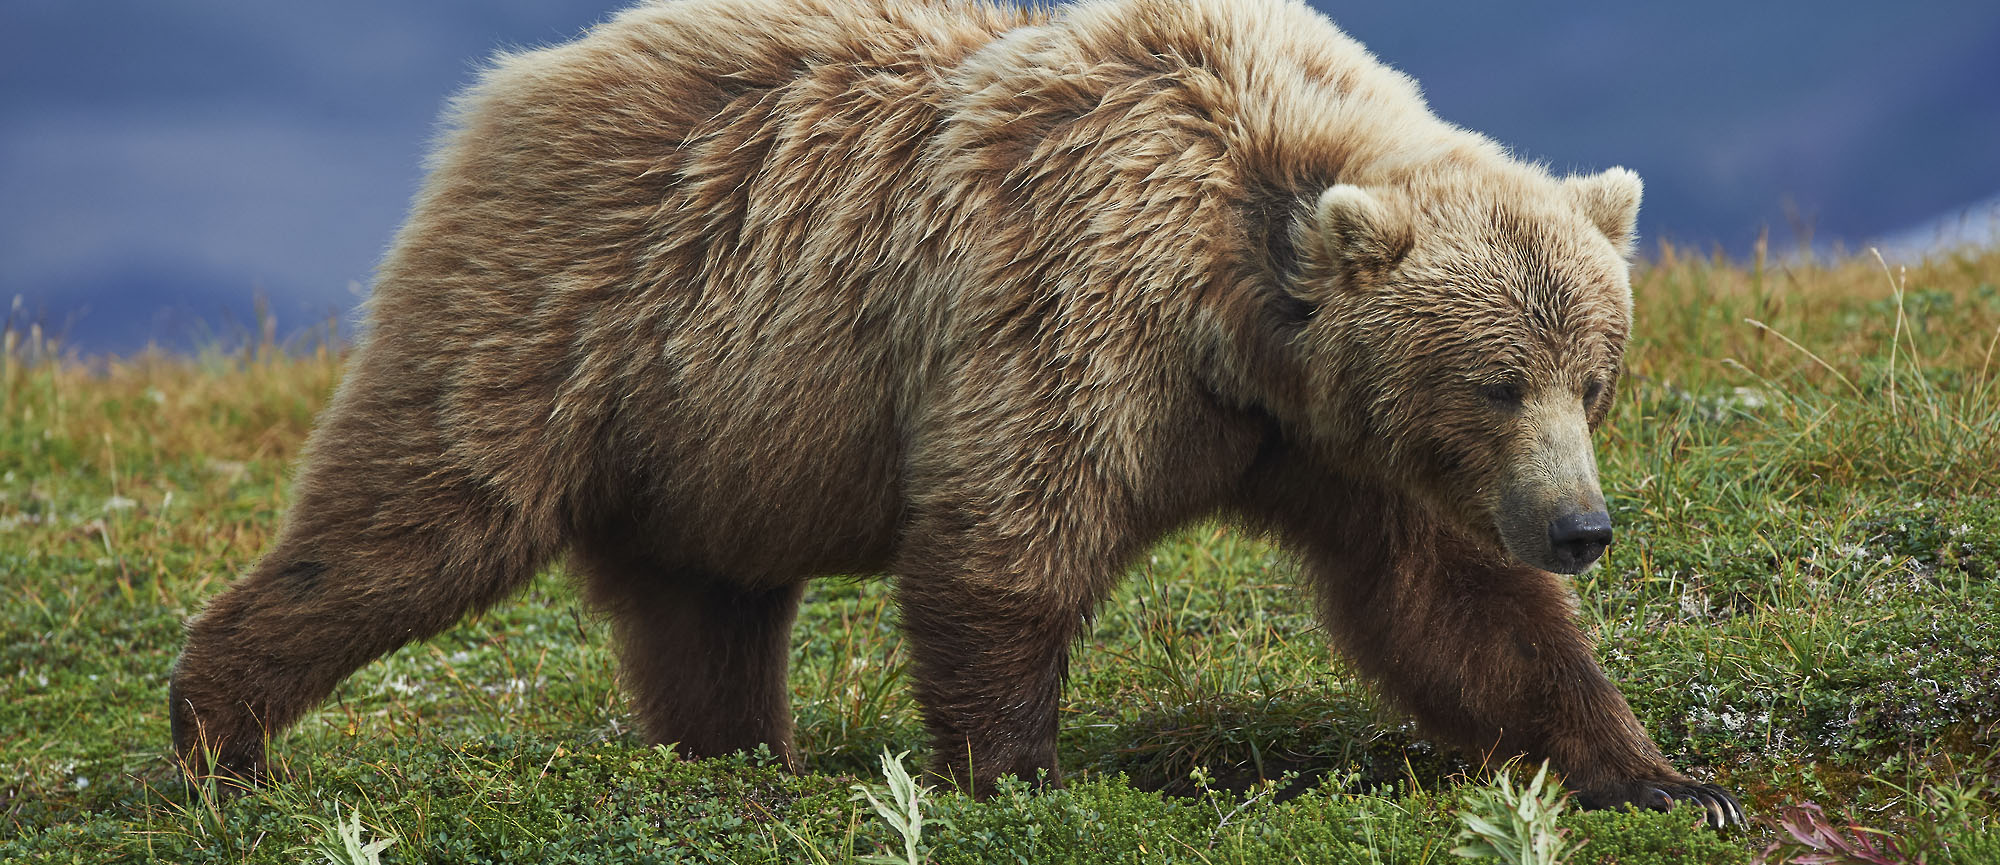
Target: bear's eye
{"type": "Point", "coordinates": [1592, 391]}
{"type": "Point", "coordinates": [1506, 394]}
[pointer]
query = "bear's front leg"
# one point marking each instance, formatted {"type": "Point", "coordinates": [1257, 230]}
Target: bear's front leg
{"type": "Point", "coordinates": [988, 668]}
{"type": "Point", "coordinates": [1487, 655]}
{"type": "Point", "coordinates": [989, 616]}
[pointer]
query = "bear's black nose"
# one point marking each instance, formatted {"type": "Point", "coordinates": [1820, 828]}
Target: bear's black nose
{"type": "Point", "coordinates": [1578, 539]}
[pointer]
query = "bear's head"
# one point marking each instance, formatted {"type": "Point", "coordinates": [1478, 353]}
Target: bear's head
{"type": "Point", "coordinates": [1466, 334]}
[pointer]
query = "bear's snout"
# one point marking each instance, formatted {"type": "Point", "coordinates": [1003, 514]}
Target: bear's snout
{"type": "Point", "coordinates": [1551, 513]}
{"type": "Point", "coordinates": [1576, 540]}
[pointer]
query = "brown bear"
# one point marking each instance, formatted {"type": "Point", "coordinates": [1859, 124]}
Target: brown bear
{"type": "Point", "coordinates": [731, 293]}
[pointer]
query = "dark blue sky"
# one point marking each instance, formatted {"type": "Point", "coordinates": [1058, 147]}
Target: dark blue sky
{"type": "Point", "coordinates": [162, 161]}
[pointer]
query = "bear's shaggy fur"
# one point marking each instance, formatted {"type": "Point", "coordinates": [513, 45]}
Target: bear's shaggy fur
{"type": "Point", "coordinates": [732, 293]}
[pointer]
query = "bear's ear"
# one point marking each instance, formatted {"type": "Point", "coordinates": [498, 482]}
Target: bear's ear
{"type": "Point", "coordinates": [1610, 200]}
{"type": "Point", "coordinates": [1363, 235]}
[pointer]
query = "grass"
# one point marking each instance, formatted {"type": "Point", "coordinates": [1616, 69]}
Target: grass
{"type": "Point", "coordinates": [1801, 608]}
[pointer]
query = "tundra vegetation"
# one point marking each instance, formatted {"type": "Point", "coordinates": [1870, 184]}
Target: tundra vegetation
{"type": "Point", "coordinates": [1801, 606]}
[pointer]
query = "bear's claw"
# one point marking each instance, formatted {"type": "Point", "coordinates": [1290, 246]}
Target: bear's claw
{"type": "Point", "coordinates": [1723, 811]}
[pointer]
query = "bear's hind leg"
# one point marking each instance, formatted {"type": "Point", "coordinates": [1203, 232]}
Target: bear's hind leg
{"type": "Point", "coordinates": [704, 661]}
{"type": "Point", "coordinates": [375, 554]}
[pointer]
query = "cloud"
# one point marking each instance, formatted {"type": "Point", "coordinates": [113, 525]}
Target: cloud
{"type": "Point", "coordinates": [175, 155]}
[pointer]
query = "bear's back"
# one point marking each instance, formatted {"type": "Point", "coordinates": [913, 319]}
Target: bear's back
{"type": "Point", "coordinates": [718, 261]}
{"type": "Point", "coordinates": [653, 263]}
